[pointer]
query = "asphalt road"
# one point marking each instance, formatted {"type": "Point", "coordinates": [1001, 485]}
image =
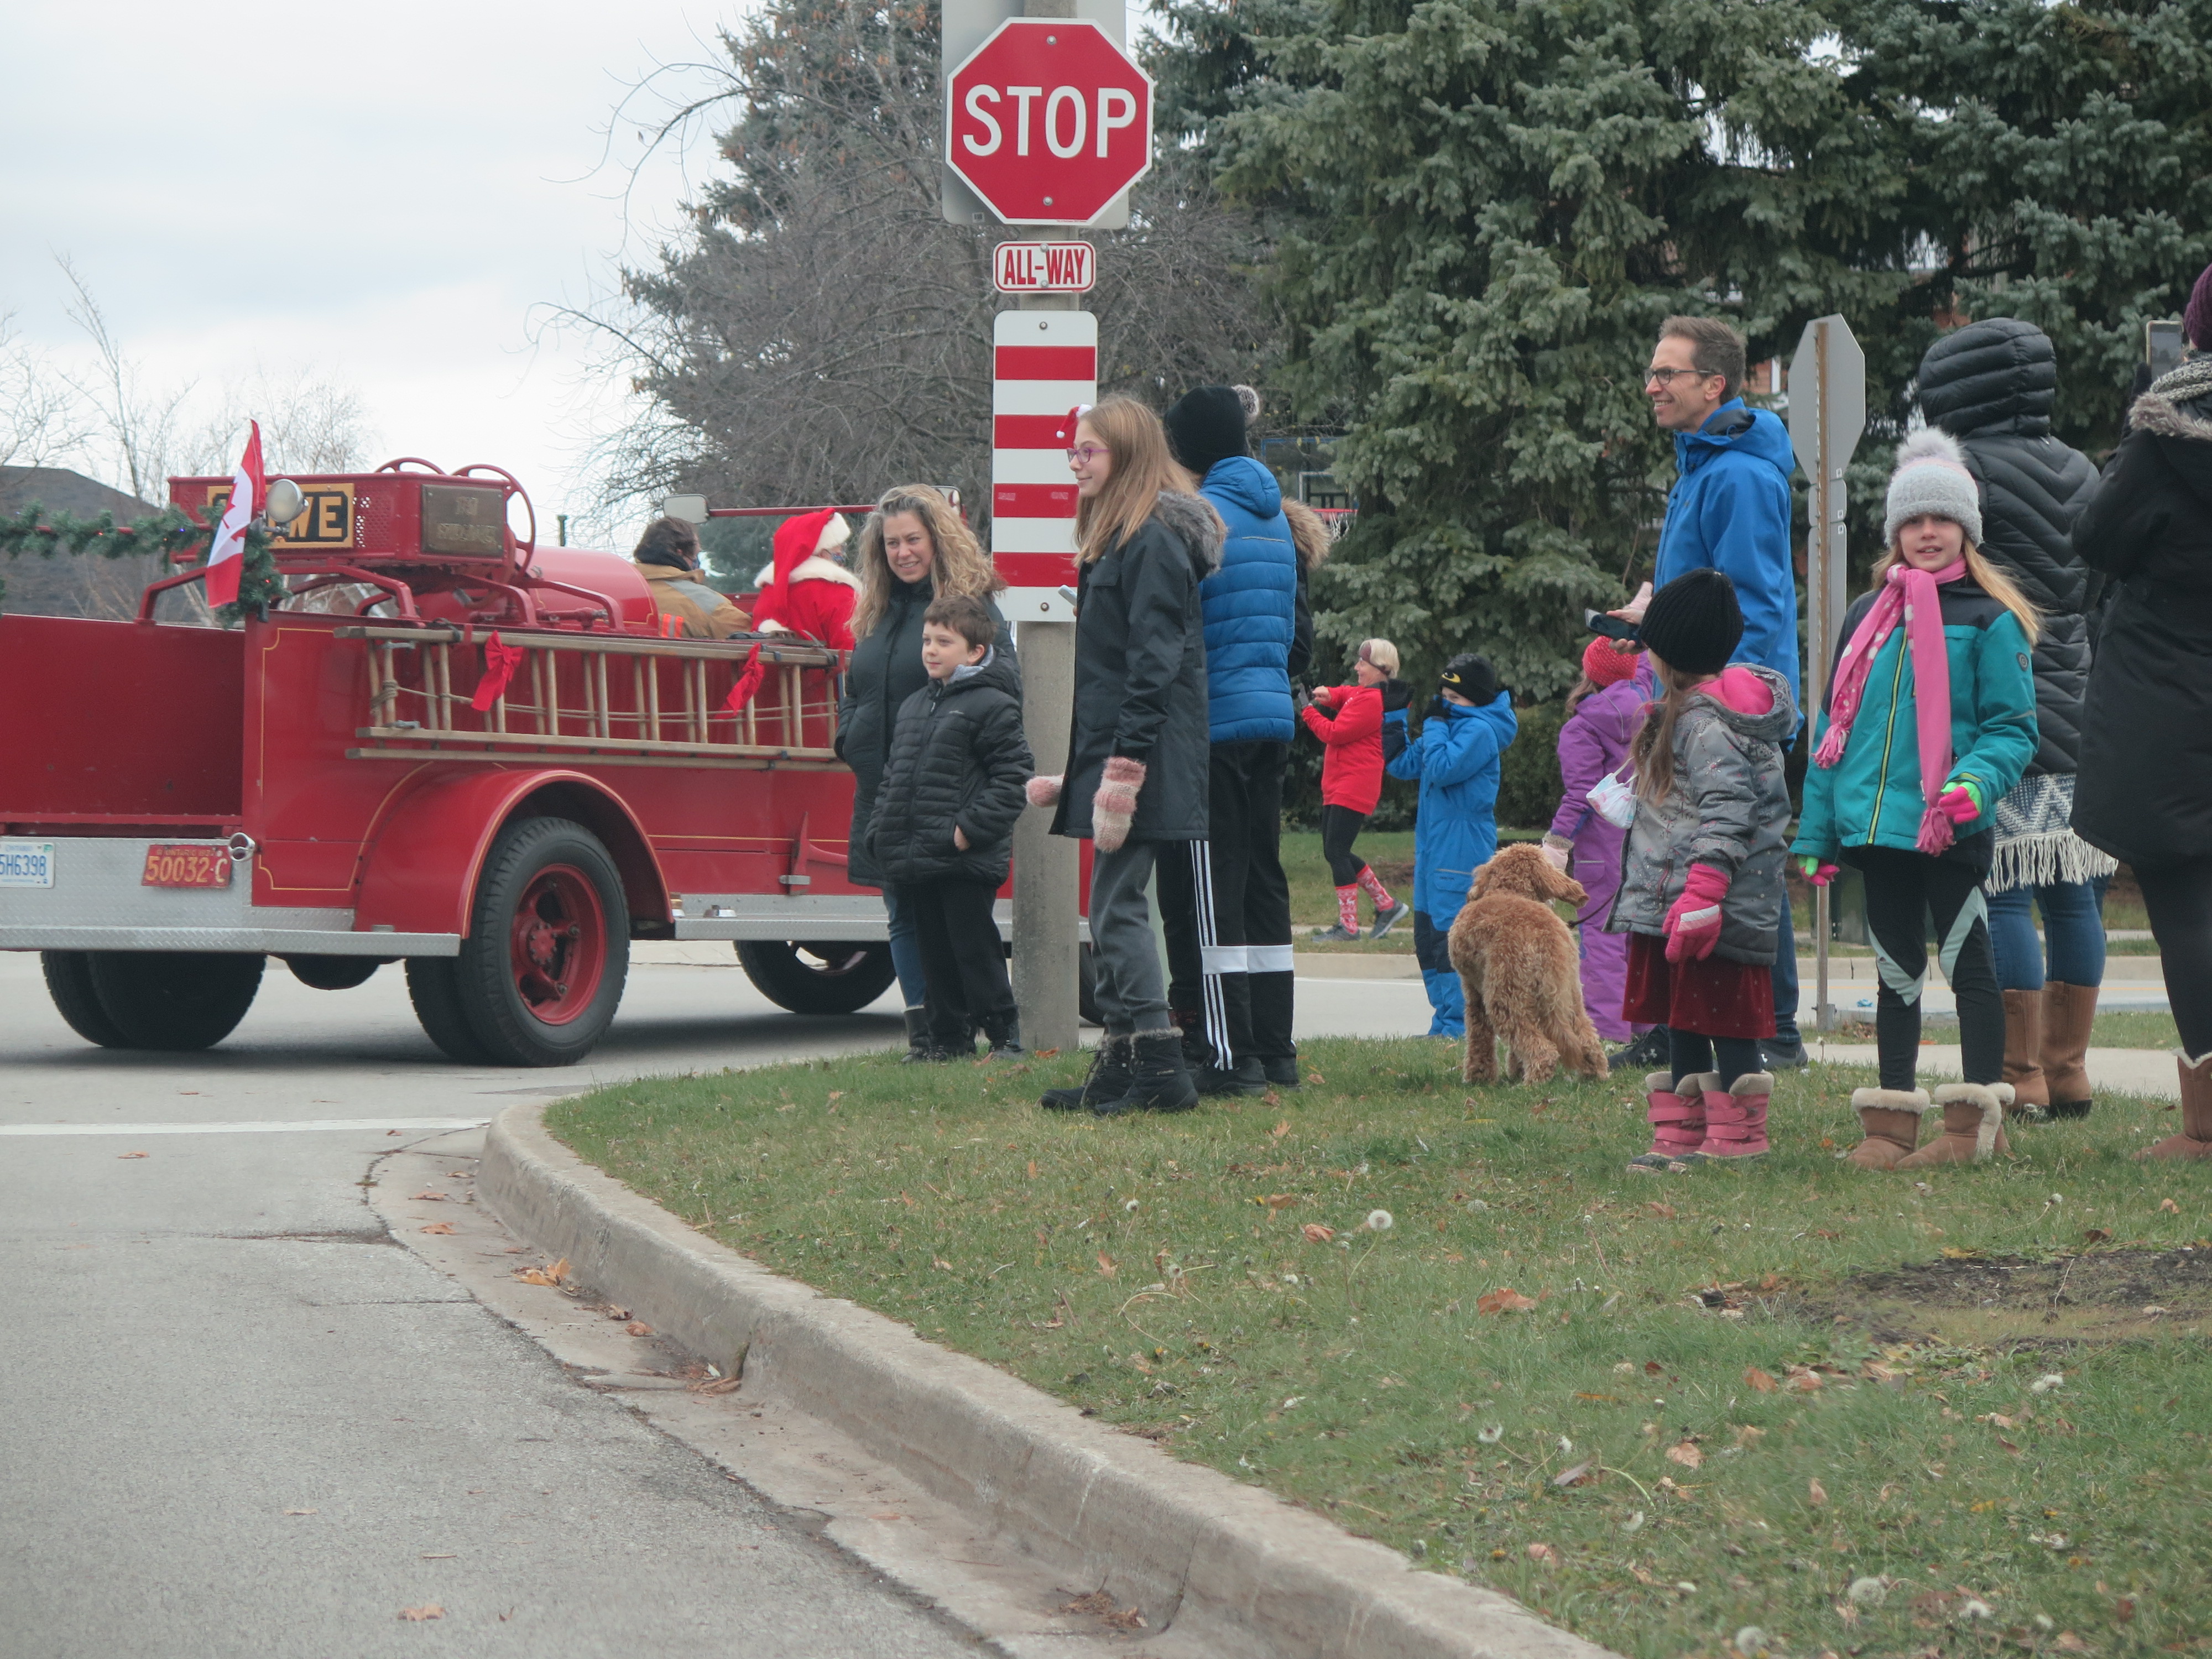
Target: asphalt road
{"type": "Point", "coordinates": [242, 1421]}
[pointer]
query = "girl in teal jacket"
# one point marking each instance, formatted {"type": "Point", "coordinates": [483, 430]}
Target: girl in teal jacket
{"type": "Point", "coordinates": [1929, 721]}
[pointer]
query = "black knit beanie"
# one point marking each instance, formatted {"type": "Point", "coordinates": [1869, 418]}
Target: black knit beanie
{"type": "Point", "coordinates": [1205, 426]}
{"type": "Point", "coordinates": [1472, 676]}
{"type": "Point", "coordinates": [1693, 623]}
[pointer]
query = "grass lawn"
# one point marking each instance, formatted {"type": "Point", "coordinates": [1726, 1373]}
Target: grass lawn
{"type": "Point", "coordinates": [1865, 1415]}
{"type": "Point", "coordinates": [2110, 1030]}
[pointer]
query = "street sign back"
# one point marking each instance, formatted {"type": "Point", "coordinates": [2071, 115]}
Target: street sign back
{"type": "Point", "coordinates": [1830, 358]}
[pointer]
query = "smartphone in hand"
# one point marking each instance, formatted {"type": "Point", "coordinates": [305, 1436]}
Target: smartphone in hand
{"type": "Point", "coordinates": [1611, 627]}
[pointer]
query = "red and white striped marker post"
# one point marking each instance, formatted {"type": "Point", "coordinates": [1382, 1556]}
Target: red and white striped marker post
{"type": "Point", "coordinates": [1045, 363]}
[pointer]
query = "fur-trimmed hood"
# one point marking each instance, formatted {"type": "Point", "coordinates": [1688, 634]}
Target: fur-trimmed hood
{"type": "Point", "coordinates": [1195, 521]}
{"type": "Point", "coordinates": [813, 568]}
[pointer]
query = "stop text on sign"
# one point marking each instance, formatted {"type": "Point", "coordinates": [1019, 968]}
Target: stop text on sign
{"type": "Point", "coordinates": [1049, 121]}
{"type": "Point", "coordinates": [1044, 267]}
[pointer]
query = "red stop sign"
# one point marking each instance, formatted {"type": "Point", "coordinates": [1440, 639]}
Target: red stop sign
{"type": "Point", "coordinates": [1051, 121]}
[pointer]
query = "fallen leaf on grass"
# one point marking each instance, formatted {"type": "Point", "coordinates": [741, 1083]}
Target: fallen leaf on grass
{"type": "Point", "coordinates": [2095, 1235]}
{"type": "Point", "coordinates": [1506, 1301]}
{"type": "Point", "coordinates": [1314, 1233]}
{"type": "Point", "coordinates": [1748, 1437]}
{"type": "Point", "coordinates": [2067, 1642]}
{"type": "Point", "coordinates": [1276, 1200]}
{"type": "Point", "coordinates": [1542, 1553]}
{"type": "Point", "coordinates": [130, 1154]}
{"type": "Point", "coordinates": [1032, 1170]}
{"type": "Point", "coordinates": [1816, 1493]}
{"type": "Point", "coordinates": [1279, 1130]}
{"type": "Point", "coordinates": [439, 1227]}
{"type": "Point", "coordinates": [1106, 1264]}
{"type": "Point", "coordinates": [1579, 1475]}
{"type": "Point", "coordinates": [553, 1275]}
{"type": "Point", "coordinates": [2007, 1445]}
{"type": "Point", "coordinates": [939, 1261]}
{"type": "Point", "coordinates": [1664, 1211]}
{"type": "Point", "coordinates": [1686, 1454]}
{"type": "Point", "coordinates": [416, 1615]}
{"type": "Point", "coordinates": [2123, 1609]}
{"type": "Point", "coordinates": [1760, 1381]}
{"type": "Point", "coordinates": [637, 1327]}
{"type": "Point", "coordinates": [2166, 1205]}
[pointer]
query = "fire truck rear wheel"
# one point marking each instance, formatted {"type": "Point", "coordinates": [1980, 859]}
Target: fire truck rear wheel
{"type": "Point", "coordinates": [541, 972]}
{"type": "Point", "coordinates": [817, 979]}
{"type": "Point", "coordinates": [69, 983]}
{"type": "Point", "coordinates": [174, 1000]}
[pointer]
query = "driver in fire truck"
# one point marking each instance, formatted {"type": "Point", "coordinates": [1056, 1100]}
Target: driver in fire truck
{"type": "Point", "coordinates": [668, 558]}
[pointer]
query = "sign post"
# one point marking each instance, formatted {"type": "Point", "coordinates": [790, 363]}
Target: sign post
{"type": "Point", "coordinates": [1827, 414]}
{"type": "Point", "coordinates": [1047, 121]}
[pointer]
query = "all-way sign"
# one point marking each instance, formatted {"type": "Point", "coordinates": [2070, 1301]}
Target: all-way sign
{"type": "Point", "coordinates": [1044, 267]}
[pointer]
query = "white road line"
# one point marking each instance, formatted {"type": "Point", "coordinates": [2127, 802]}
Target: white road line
{"type": "Point", "coordinates": [350, 1124]}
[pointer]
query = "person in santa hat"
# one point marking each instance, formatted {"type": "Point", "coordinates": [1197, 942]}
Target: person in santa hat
{"type": "Point", "coordinates": [805, 589]}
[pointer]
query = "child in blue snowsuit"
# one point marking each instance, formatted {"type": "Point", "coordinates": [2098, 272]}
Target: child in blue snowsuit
{"type": "Point", "coordinates": [1456, 759]}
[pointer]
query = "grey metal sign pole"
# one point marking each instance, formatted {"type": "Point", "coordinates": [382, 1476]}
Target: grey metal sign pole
{"type": "Point", "coordinates": [1828, 415]}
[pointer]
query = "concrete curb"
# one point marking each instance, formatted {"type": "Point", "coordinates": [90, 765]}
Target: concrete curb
{"type": "Point", "coordinates": [1252, 1574]}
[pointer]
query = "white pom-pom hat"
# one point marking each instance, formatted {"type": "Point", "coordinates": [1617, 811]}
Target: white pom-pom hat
{"type": "Point", "coordinates": [1931, 478]}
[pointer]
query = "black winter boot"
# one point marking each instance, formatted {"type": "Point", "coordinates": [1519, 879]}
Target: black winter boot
{"type": "Point", "coordinates": [1006, 1039]}
{"type": "Point", "coordinates": [1109, 1079]}
{"type": "Point", "coordinates": [1281, 1071]}
{"type": "Point", "coordinates": [1246, 1078]}
{"type": "Point", "coordinates": [919, 1048]}
{"type": "Point", "coordinates": [1161, 1081]}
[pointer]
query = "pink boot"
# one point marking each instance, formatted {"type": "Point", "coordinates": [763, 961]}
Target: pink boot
{"type": "Point", "coordinates": [1677, 1121]}
{"type": "Point", "coordinates": [1736, 1117]}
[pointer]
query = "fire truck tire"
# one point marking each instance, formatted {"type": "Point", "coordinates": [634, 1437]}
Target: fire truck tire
{"type": "Point", "coordinates": [174, 1000]}
{"type": "Point", "coordinates": [826, 979]}
{"type": "Point", "coordinates": [436, 995]}
{"type": "Point", "coordinates": [541, 972]}
{"type": "Point", "coordinates": [69, 983]}
{"type": "Point", "coordinates": [333, 972]}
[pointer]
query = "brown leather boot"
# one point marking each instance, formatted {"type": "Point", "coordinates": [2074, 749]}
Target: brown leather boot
{"type": "Point", "coordinates": [2023, 1066]}
{"type": "Point", "coordinates": [2068, 1012]}
{"type": "Point", "coordinates": [2195, 1140]}
{"type": "Point", "coordinates": [1973, 1126]}
{"type": "Point", "coordinates": [1891, 1119]}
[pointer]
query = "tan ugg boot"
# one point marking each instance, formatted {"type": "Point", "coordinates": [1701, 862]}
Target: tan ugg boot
{"type": "Point", "coordinates": [2195, 1140]}
{"type": "Point", "coordinates": [1891, 1119]}
{"type": "Point", "coordinates": [2068, 1011]}
{"type": "Point", "coordinates": [2023, 1066]}
{"type": "Point", "coordinates": [1973, 1126]}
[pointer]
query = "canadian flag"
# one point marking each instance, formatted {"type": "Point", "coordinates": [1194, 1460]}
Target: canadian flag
{"type": "Point", "coordinates": [249, 491]}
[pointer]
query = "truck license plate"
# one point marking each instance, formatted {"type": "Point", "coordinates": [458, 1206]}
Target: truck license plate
{"type": "Point", "coordinates": [26, 864]}
{"type": "Point", "coordinates": [187, 867]}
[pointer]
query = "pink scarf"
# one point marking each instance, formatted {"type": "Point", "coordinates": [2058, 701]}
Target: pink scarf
{"type": "Point", "coordinates": [1908, 595]}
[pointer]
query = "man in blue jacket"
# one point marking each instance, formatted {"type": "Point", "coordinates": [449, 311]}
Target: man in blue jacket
{"type": "Point", "coordinates": [1225, 906]}
{"type": "Point", "coordinates": [1730, 510]}
{"type": "Point", "coordinates": [1456, 759]}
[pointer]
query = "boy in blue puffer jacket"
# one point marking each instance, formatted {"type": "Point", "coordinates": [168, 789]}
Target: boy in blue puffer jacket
{"type": "Point", "coordinates": [1224, 901]}
{"type": "Point", "coordinates": [1457, 757]}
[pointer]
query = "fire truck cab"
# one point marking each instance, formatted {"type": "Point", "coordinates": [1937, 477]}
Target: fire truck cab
{"type": "Point", "coordinates": [448, 747]}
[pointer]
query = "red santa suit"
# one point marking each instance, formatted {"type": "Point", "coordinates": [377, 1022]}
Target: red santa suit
{"type": "Point", "coordinates": [804, 591]}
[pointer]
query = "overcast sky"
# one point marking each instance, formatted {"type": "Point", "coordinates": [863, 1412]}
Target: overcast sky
{"type": "Point", "coordinates": [387, 196]}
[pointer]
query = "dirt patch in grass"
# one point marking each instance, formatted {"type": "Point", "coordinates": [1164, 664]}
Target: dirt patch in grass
{"type": "Point", "coordinates": [2097, 1295]}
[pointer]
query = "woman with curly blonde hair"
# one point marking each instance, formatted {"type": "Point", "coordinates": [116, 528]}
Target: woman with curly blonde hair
{"type": "Point", "coordinates": [914, 549]}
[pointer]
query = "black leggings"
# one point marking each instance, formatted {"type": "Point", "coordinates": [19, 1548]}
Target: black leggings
{"type": "Point", "coordinates": [1339, 827]}
{"type": "Point", "coordinates": [1689, 1053]}
{"type": "Point", "coordinates": [1903, 892]}
{"type": "Point", "coordinates": [2179, 899]}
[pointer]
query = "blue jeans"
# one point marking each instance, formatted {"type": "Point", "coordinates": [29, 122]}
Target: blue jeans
{"type": "Point", "coordinates": [906, 950]}
{"type": "Point", "coordinates": [2072, 928]}
{"type": "Point", "coordinates": [1785, 973]}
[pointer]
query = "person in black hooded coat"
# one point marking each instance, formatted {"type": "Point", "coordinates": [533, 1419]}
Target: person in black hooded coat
{"type": "Point", "coordinates": [2146, 789]}
{"type": "Point", "coordinates": [1990, 384]}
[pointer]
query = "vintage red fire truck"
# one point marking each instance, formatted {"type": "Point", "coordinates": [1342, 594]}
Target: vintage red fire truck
{"type": "Point", "coordinates": [325, 787]}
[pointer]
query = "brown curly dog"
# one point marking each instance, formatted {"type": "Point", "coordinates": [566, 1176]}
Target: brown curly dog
{"type": "Point", "coordinates": [1517, 960]}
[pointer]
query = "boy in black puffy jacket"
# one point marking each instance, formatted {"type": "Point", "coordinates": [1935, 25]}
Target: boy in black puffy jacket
{"type": "Point", "coordinates": [944, 823]}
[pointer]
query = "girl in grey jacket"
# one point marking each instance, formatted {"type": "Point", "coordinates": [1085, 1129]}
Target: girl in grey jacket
{"type": "Point", "coordinates": [1701, 875]}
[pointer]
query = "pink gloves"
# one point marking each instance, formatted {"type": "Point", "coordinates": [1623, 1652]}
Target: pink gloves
{"type": "Point", "coordinates": [1115, 803]}
{"type": "Point", "coordinates": [1043, 791]}
{"type": "Point", "coordinates": [1693, 926]}
{"type": "Point", "coordinates": [1558, 851]}
{"type": "Point", "coordinates": [1961, 803]}
{"type": "Point", "coordinates": [1814, 871]}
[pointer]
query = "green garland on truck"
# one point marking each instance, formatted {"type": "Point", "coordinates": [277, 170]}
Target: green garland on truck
{"type": "Point", "coordinates": [168, 533]}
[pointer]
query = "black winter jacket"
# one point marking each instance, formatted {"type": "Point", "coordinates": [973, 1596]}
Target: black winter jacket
{"type": "Point", "coordinates": [884, 671]}
{"type": "Point", "coordinates": [959, 758]}
{"type": "Point", "coordinates": [2145, 793]}
{"type": "Point", "coordinates": [1141, 672]}
{"type": "Point", "coordinates": [1990, 386]}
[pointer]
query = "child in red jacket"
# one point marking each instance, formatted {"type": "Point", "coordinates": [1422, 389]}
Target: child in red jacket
{"type": "Point", "coordinates": [1348, 720]}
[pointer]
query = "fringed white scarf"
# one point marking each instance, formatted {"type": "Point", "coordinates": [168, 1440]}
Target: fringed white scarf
{"type": "Point", "coordinates": [2036, 845]}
